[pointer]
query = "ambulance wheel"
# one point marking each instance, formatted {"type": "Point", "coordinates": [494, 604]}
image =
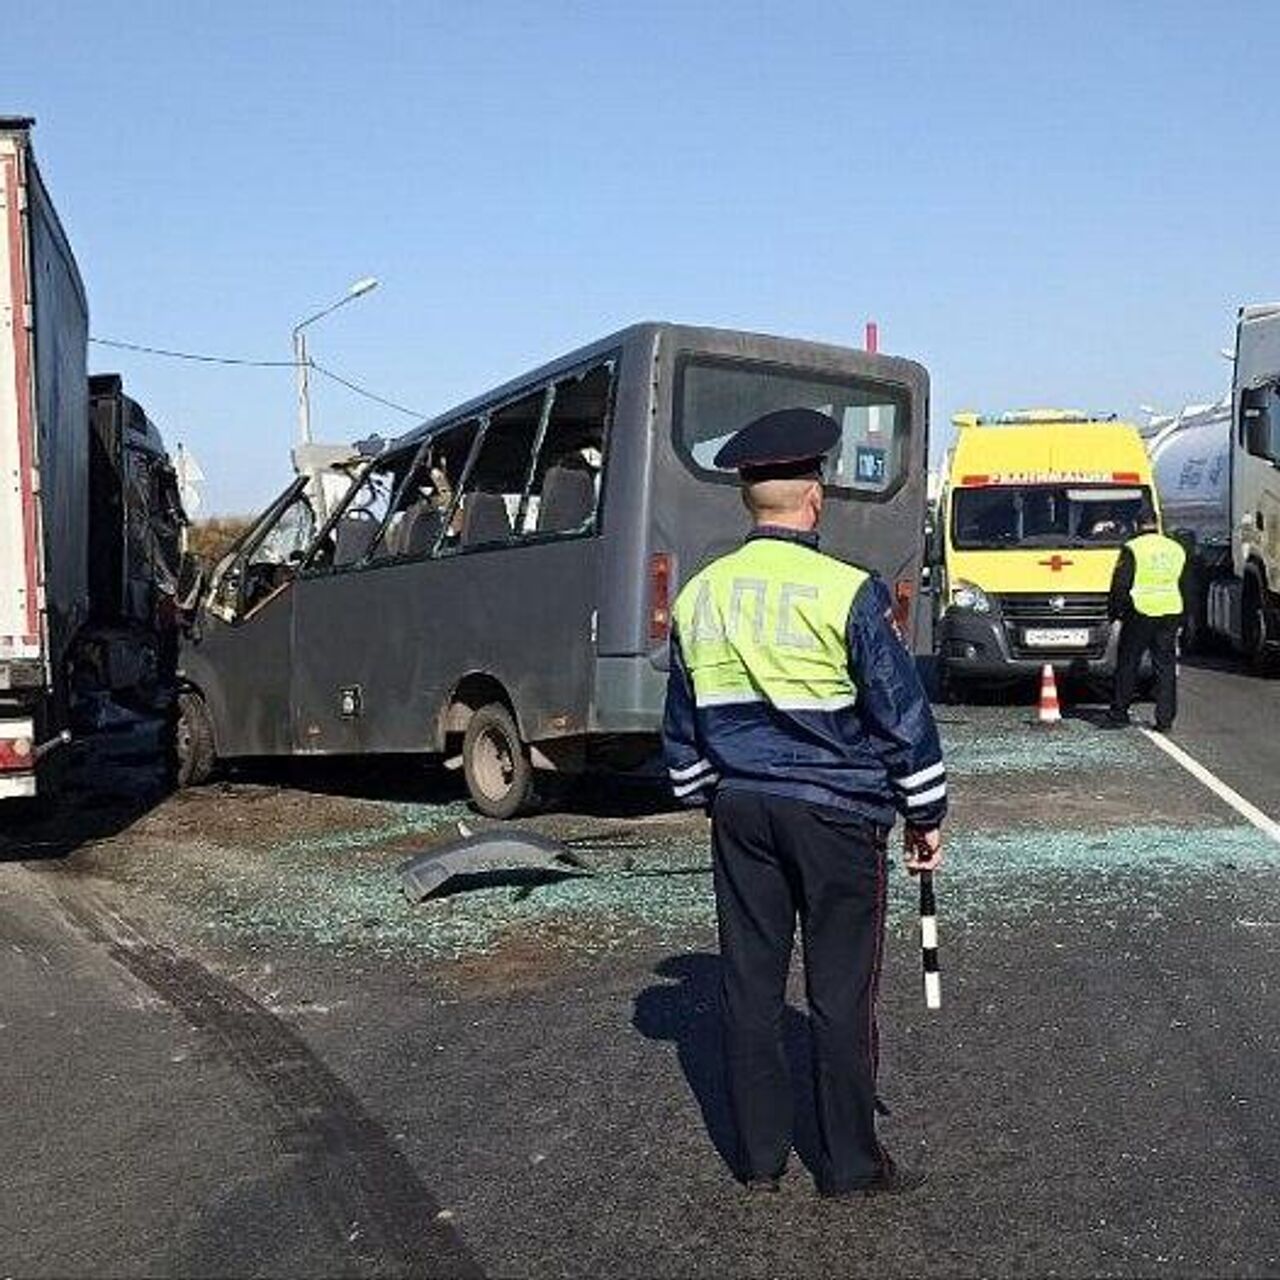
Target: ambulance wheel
{"type": "Point", "coordinates": [496, 763]}
{"type": "Point", "coordinates": [193, 741]}
{"type": "Point", "coordinates": [951, 687]}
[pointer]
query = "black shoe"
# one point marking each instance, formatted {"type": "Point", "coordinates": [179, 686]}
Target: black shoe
{"type": "Point", "coordinates": [761, 1186]}
{"type": "Point", "coordinates": [1116, 722]}
{"type": "Point", "coordinates": [1162, 728]}
{"type": "Point", "coordinates": [893, 1180]}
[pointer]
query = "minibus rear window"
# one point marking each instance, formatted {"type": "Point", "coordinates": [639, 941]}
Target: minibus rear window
{"type": "Point", "coordinates": [715, 397]}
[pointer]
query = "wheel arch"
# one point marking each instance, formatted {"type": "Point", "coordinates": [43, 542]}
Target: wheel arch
{"type": "Point", "coordinates": [474, 690]}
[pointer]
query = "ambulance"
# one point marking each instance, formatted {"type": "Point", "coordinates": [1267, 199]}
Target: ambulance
{"type": "Point", "coordinates": [1034, 508]}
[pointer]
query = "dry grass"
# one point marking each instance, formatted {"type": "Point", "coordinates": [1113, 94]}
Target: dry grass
{"type": "Point", "coordinates": [209, 539]}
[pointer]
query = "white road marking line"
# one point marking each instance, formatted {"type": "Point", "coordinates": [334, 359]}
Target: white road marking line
{"type": "Point", "coordinates": [1250, 813]}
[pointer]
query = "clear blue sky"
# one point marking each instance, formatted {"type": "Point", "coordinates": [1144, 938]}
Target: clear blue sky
{"type": "Point", "coordinates": [1045, 203]}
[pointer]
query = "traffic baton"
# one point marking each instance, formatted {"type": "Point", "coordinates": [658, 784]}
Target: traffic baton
{"type": "Point", "coordinates": [929, 942]}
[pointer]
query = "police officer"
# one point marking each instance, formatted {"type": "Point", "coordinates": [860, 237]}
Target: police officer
{"type": "Point", "coordinates": [795, 715]}
{"type": "Point", "coordinates": [1146, 596]}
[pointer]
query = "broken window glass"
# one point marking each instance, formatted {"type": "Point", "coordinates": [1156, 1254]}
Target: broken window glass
{"type": "Point", "coordinates": [275, 557]}
{"type": "Point", "coordinates": [489, 505]}
{"type": "Point", "coordinates": [421, 508]}
{"type": "Point", "coordinates": [351, 537]}
{"type": "Point", "coordinates": [565, 493]}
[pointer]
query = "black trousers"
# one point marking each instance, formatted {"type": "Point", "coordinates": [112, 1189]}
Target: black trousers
{"type": "Point", "coordinates": [1159, 637]}
{"type": "Point", "coordinates": [777, 860]}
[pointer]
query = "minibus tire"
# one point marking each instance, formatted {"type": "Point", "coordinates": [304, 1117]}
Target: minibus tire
{"type": "Point", "coordinates": [193, 741]}
{"type": "Point", "coordinates": [496, 763]}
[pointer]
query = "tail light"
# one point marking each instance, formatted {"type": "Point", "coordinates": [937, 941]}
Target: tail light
{"type": "Point", "coordinates": [16, 753]}
{"type": "Point", "coordinates": [903, 593]}
{"type": "Point", "coordinates": [659, 597]}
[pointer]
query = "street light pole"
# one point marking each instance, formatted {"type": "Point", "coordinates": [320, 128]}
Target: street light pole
{"type": "Point", "coordinates": [304, 386]}
{"type": "Point", "coordinates": [302, 362]}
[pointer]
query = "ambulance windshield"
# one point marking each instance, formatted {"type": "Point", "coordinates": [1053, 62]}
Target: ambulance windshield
{"type": "Point", "coordinates": [1006, 516]}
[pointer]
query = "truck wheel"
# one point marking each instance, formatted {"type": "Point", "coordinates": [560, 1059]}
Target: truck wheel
{"type": "Point", "coordinates": [1257, 648]}
{"type": "Point", "coordinates": [496, 763]}
{"type": "Point", "coordinates": [193, 743]}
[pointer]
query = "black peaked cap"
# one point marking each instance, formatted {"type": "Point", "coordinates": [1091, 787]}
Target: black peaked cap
{"type": "Point", "coordinates": [787, 442]}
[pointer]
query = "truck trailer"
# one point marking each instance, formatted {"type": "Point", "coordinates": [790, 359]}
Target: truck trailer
{"type": "Point", "coordinates": [89, 510]}
{"type": "Point", "coordinates": [1191, 458]}
{"type": "Point", "coordinates": [1218, 472]}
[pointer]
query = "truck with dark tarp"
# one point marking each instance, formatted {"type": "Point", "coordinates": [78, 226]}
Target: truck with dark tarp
{"type": "Point", "coordinates": [90, 519]}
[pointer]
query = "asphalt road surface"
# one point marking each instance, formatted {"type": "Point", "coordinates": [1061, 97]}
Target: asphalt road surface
{"type": "Point", "coordinates": [1230, 721]}
{"type": "Point", "coordinates": [230, 1048]}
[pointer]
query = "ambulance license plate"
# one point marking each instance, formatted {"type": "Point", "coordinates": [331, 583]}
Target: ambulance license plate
{"type": "Point", "coordinates": [1056, 637]}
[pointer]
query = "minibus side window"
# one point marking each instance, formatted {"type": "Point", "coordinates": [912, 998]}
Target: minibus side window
{"type": "Point", "coordinates": [271, 563]}
{"type": "Point", "coordinates": [421, 508]}
{"type": "Point", "coordinates": [492, 491]}
{"type": "Point", "coordinates": [564, 495]}
{"type": "Point", "coordinates": [352, 535]}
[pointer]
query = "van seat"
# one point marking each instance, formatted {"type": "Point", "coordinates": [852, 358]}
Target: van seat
{"type": "Point", "coordinates": [421, 528]}
{"type": "Point", "coordinates": [484, 519]}
{"type": "Point", "coordinates": [568, 499]}
{"type": "Point", "coordinates": [355, 537]}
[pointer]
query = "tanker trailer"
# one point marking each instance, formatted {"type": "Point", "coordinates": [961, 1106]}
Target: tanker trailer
{"type": "Point", "coordinates": [1191, 457]}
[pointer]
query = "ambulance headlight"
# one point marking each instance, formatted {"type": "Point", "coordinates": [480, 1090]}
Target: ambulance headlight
{"type": "Point", "coordinates": [967, 595]}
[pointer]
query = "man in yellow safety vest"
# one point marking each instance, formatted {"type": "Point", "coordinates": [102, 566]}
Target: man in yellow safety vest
{"type": "Point", "coordinates": [1146, 598]}
{"type": "Point", "coordinates": [796, 718]}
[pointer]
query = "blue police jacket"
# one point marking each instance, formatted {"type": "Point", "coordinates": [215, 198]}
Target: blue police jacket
{"type": "Point", "coordinates": [877, 758]}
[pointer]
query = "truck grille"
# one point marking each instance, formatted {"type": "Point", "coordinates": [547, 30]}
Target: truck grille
{"type": "Point", "coordinates": [1050, 610]}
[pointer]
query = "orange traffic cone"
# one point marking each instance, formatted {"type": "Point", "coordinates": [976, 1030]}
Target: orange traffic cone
{"type": "Point", "coordinates": [1049, 712]}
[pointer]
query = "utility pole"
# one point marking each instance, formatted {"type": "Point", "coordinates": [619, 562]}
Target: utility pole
{"type": "Point", "coordinates": [302, 362]}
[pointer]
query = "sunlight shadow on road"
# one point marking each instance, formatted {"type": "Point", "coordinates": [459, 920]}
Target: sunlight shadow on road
{"type": "Point", "coordinates": [685, 1011]}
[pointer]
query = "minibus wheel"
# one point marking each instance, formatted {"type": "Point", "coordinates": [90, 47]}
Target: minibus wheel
{"type": "Point", "coordinates": [496, 763]}
{"type": "Point", "coordinates": [193, 743]}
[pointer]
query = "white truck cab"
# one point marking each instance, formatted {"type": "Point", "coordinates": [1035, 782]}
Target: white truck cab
{"type": "Point", "coordinates": [1245, 605]}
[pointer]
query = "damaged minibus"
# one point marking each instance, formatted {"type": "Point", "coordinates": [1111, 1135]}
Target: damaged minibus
{"type": "Point", "coordinates": [494, 587]}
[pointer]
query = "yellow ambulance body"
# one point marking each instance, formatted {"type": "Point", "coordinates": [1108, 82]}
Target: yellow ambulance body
{"type": "Point", "coordinates": [1034, 509]}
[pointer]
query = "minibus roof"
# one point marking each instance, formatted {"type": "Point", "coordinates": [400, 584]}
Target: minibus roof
{"type": "Point", "coordinates": [747, 345]}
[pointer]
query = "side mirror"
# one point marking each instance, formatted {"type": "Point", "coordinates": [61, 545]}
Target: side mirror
{"type": "Point", "coordinates": [226, 591]}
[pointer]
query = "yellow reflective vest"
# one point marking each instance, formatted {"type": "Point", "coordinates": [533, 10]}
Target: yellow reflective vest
{"type": "Point", "coordinates": [1157, 568]}
{"type": "Point", "coordinates": [767, 623]}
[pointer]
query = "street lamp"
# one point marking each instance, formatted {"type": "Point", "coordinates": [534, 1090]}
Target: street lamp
{"type": "Point", "coordinates": [362, 286]}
